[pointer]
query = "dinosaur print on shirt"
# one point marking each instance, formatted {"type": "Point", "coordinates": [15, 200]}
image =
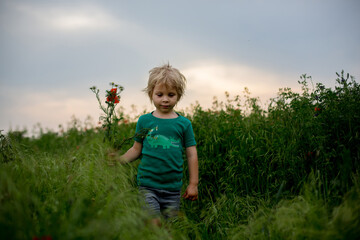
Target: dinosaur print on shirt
{"type": "Point", "coordinates": [161, 140]}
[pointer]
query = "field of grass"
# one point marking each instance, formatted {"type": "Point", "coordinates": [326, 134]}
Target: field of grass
{"type": "Point", "coordinates": [290, 171]}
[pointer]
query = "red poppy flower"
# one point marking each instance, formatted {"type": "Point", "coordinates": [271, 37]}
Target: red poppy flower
{"type": "Point", "coordinates": [112, 97]}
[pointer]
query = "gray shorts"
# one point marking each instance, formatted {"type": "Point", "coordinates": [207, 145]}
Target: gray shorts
{"type": "Point", "coordinates": [160, 202]}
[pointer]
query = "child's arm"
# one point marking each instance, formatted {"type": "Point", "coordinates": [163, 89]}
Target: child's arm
{"type": "Point", "coordinates": [132, 154]}
{"type": "Point", "coordinates": [191, 192]}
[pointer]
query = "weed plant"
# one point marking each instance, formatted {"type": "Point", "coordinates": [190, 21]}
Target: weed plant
{"type": "Point", "coordinates": [290, 171]}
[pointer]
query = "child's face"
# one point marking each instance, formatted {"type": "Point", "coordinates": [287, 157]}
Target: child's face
{"type": "Point", "coordinates": [164, 98]}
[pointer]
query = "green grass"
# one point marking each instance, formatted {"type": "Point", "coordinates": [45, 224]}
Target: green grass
{"type": "Point", "coordinates": [288, 172]}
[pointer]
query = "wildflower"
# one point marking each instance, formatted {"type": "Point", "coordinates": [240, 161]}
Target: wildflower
{"type": "Point", "coordinates": [317, 111]}
{"type": "Point", "coordinates": [112, 97]}
{"type": "Point", "coordinates": [110, 118]}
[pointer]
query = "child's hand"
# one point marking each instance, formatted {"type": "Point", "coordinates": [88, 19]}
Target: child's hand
{"type": "Point", "coordinates": [111, 158]}
{"type": "Point", "coordinates": [112, 155]}
{"type": "Point", "coordinates": [191, 192]}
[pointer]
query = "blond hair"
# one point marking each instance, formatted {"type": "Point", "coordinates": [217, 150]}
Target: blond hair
{"type": "Point", "coordinates": [167, 75]}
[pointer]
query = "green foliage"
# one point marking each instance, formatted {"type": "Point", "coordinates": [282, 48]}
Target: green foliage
{"type": "Point", "coordinates": [110, 119]}
{"type": "Point", "coordinates": [305, 217]}
{"type": "Point", "coordinates": [6, 149]}
{"type": "Point", "coordinates": [259, 151]}
{"type": "Point", "coordinates": [288, 172]}
{"type": "Point", "coordinates": [75, 195]}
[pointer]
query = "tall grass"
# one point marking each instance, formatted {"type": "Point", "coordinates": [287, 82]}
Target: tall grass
{"type": "Point", "coordinates": [290, 171]}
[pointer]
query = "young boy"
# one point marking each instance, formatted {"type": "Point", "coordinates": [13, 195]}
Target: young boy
{"type": "Point", "coordinates": [160, 170]}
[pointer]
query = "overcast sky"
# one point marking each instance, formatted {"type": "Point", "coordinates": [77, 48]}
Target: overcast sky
{"type": "Point", "coordinates": [52, 52]}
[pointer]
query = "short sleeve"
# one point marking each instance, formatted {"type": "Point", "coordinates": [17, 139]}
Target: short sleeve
{"type": "Point", "coordinates": [138, 130]}
{"type": "Point", "coordinates": [189, 136]}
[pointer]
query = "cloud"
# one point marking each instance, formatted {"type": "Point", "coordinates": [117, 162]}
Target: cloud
{"type": "Point", "coordinates": [72, 19]}
{"type": "Point", "coordinates": [49, 108]}
{"type": "Point", "coordinates": [212, 78]}
{"type": "Point", "coordinates": [81, 25]}
{"type": "Point", "coordinates": [81, 21]}
{"type": "Point", "coordinates": [22, 109]}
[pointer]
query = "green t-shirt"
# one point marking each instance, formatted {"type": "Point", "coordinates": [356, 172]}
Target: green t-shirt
{"type": "Point", "coordinates": [161, 164]}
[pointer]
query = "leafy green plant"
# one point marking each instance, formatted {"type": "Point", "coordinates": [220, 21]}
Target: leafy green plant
{"type": "Point", "coordinates": [110, 119]}
{"type": "Point", "coordinates": [290, 171]}
{"type": "Point", "coordinates": [6, 149]}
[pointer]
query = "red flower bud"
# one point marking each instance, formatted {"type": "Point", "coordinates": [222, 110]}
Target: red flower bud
{"type": "Point", "coordinates": [112, 97]}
